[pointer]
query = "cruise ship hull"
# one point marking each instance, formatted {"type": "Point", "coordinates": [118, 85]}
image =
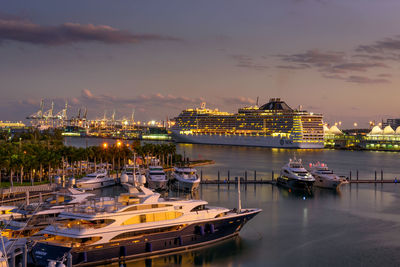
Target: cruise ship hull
{"type": "Point", "coordinates": [242, 140]}
{"type": "Point", "coordinates": [190, 237]}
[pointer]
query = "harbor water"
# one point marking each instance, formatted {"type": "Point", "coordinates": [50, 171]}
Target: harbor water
{"type": "Point", "coordinates": [359, 226]}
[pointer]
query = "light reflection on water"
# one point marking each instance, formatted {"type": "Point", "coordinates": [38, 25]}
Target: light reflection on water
{"type": "Point", "coordinates": [360, 226]}
{"type": "Point", "coordinates": [357, 227]}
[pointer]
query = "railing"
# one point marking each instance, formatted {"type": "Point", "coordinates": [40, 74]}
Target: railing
{"type": "Point", "coordinates": [23, 189]}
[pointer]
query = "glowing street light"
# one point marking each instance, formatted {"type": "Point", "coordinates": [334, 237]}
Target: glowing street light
{"type": "Point", "coordinates": [355, 124]}
{"type": "Point", "coordinates": [105, 145]}
{"type": "Point", "coordinates": [119, 143]}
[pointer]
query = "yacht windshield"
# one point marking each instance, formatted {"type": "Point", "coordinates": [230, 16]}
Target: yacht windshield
{"type": "Point", "coordinates": [157, 173]}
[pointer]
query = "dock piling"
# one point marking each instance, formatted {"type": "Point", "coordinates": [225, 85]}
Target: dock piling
{"type": "Point", "coordinates": [375, 175]}
{"type": "Point", "coordinates": [255, 175]}
{"type": "Point", "coordinates": [357, 175]}
{"type": "Point", "coordinates": [272, 176]}
{"type": "Point", "coordinates": [381, 175]}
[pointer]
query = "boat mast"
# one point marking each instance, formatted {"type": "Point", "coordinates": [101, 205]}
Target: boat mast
{"type": "Point", "coordinates": [239, 198]}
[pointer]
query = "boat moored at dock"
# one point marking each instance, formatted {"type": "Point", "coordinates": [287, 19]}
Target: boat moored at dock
{"type": "Point", "coordinates": [325, 177]}
{"type": "Point", "coordinates": [294, 175]}
{"type": "Point", "coordinates": [116, 232]}
{"type": "Point", "coordinates": [156, 178]}
{"type": "Point", "coordinates": [273, 124]}
{"type": "Point", "coordinates": [185, 179]}
{"type": "Point", "coordinates": [95, 180]}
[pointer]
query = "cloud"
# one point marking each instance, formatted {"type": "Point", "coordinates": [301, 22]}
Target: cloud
{"type": "Point", "coordinates": [365, 80]}
{"type": "Point", "coordinates": [238, 100]}
{"type": "Point", "coordinates": [146, 106]}
{"type": "Point", "coordinates": [385, 45]}
{"type": "Point", "coordinates": [27, 32]}
{"type": "Point", "coordinates": [244, 61]}
{"type": "Point", "coordinates": [334, 65]}
{"type": "Point", "coordinates": [358, 66]}
{"type": "Point", "coordinates": [314, 58]}
{"type": "Point", "coordinates": [294, 67]}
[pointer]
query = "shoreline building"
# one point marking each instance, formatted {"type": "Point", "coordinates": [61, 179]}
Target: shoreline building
{"type": "Point", "coordinates": [274, 124]}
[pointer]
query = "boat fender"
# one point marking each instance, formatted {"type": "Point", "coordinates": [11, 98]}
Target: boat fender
{"type": "Point", "coordinates": [122, 251]}
{"type": "Point", "coordinates": [149, 247]}
{"type": "Point", "coordinates": [180, 241]}
{"type": "Point", "coordinates": [212, 229]}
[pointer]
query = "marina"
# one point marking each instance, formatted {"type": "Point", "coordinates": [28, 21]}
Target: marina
{"type": "Point", "coordinates": [199, 133]}
{"type": "Point", "coordinates": [371, 190]}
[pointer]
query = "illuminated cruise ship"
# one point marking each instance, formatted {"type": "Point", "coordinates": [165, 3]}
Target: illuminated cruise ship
{"type": "Point", "coordinates": [274, 124]}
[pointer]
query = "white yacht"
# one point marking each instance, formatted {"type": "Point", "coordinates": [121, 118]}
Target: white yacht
{"type": "Point", "coordinates": [185, 179]}
{"type": "Point", "coordinates": [156, 178]}
{"type": "Point", "coordinates": [6, 212]}
{"type": "Point", "coordinates": [135, 173]}
{"type": "Point", "coordinates": [95, 180]}
{"type": "Point", "coordinates": [107, 232]}
{"type": "Point", "coordinates": [27, 220]}
{"type": "Point", "coordinates": [294, 175]}
{"type": "Point", "coordinates": [326, 178]}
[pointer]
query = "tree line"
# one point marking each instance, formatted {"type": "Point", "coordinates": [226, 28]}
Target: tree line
{"type": "Point", "coordinates": [39, 159]}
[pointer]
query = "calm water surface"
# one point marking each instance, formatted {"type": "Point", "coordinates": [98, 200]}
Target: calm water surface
{"type": "Point", "coordinates": [360, 226]}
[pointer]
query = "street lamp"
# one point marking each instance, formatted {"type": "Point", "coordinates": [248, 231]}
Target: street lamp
{"type": "Point", "coordinates": [355, 124]}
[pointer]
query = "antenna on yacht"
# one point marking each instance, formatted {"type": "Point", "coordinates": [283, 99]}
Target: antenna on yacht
{"type": "Point", "coordinates": [239, 198]}
{"type": "Point", "coordinates": [257, 102]}
{"type": "Point", "coordinates": [134, 169]}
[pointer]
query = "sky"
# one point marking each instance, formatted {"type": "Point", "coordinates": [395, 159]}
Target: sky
{"type": "Point", "coordinates": [340, 58]}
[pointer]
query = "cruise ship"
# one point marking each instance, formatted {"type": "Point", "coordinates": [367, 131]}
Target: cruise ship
{"type": "Point", "coordinates": [274, 124]}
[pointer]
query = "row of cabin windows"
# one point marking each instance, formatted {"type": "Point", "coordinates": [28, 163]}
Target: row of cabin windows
{"type": "Point", "coordinates": [153, 217]}
{"type": "Point", "coordinates": [147, 206]}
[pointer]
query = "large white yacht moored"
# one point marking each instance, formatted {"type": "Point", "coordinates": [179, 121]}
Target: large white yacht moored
{"type": "Point", "coordinates": [95, 180]}
{"type": "Point", "coordinates": [185, 179]}
{"type": "Point", "coordinates": [294, 175]}
{"type": "Point", "coordinates": [156, 178]}
{"type": "Point", "coordinates": [27, 220]}
{"type": "Point", "coordinates": [325, 177]}
{"type": "Point", "coordinates": [117, 231]}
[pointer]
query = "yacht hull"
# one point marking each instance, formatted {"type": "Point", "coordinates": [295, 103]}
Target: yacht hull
{"type": "Point", "coordinates": [151, 245]}
{"type": "Point", "coordinates": [295, 183]}
{"type": "Point", "coordinates": [182, 185]}
{"type": "Point", "coordinates": [96, 184]}
{"type": "Point", "coordinates": [328, 183]}
{"type": "Point", "coordinates": [157, 185]}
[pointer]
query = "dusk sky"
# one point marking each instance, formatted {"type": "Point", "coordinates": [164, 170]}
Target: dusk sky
{"type": "Point", "coordinates": [340, 58]}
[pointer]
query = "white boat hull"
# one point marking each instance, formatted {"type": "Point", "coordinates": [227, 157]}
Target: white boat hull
{"type": "Point", "coordinates": [328, 183]}
{"type": "Point", "coordinates": [157, 184]}
{"type": "Point", "coordinates": [242, 140]}
{"type": "Point", "coordinates": [96, 184]}
{"type": "Point", "coordinates": [186, 185]}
